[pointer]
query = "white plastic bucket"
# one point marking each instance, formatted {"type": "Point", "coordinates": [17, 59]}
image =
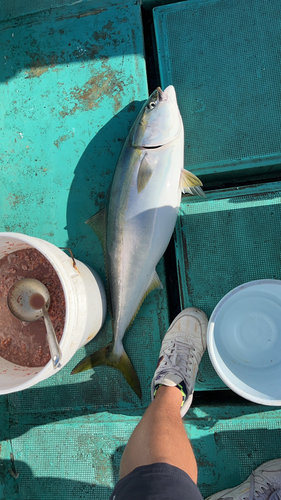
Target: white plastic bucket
{"type": "Point", "coordinates": [244, 341]}
{"type": "Point", "coordinates": [85, 304]}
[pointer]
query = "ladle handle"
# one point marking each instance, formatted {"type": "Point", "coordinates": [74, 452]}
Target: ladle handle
{"type": "Point", "coordinates": [52, 339]}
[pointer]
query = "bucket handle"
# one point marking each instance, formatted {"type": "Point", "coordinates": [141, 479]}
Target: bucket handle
{"type": "Point", "coordinates": [71, 255]}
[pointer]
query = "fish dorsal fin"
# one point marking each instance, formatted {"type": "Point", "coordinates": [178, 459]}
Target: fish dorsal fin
{"type": "Point", "coordinates": [189, 183]}
{"type": "Point", "coordinates": [153, 284]}
{"type": "Point", "coordinates": [98, 224]}
{"type": "Point", "coordinates": [145, 172]}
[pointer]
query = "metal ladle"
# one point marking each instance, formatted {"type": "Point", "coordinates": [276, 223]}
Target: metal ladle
{"type": "Point", "coordinates": [29, 300]}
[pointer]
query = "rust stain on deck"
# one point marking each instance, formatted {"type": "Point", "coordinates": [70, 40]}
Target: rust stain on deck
{"type": "Point", "coordinates": [89, 95]}
{"type": "Point", "coordinates": [36, 72]}
{"type": "Point", "coordinates": [40, 64]}
{"type": "Point", "coordinates": [15, 199]}
{"type": "Point", "coordinates": [104, 33]}
{"type": "Point", "coordinates": [63, 138]}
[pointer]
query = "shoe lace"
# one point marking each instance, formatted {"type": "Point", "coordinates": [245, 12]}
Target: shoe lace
{"type": "Point", "coordinates": [178, 356]}
{"type": "Point", "coordinates": [263, 492]}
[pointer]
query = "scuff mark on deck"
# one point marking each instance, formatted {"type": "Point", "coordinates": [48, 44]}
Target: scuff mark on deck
{"type": "Point", "coordinates": [84, 14]}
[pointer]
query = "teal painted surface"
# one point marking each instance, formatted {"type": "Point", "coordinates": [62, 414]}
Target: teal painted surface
{"type": "Point", "coordinates": [9, 10]}
{"type": "Point", "coordinates": [17, 9]}
{"type": "Point", "coordinates": [229, 238]}
{"type": "Point", "coordinates": [72, 82]}
{"type": "Point", "coordinates": [223, 59]}
{"type": "Point", "coordinates": [80, 456]}
{"type": "Point", "coordinates": [230, 441]}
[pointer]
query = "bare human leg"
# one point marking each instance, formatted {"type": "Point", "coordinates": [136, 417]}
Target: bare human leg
{"type": "Point", "coordinates": [160, 436]}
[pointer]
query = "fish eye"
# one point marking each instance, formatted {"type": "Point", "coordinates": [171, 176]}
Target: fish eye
{"type": "Point", "coordinates": [151, 105]}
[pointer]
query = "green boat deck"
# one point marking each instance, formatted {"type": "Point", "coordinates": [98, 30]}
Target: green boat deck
{"type": "Point", "coordinates": [73, 77]}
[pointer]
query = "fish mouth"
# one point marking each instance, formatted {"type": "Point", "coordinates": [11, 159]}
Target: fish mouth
{"type": "Point", "coordinates": [151, 147]}
{"type": "Point", "coordinates": [161, 94]}
{"type": "Point", "coordinates": [168, 94]}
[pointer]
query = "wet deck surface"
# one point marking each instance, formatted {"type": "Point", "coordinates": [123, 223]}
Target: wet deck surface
{"type": "Point", "coordinates": [72, 81]}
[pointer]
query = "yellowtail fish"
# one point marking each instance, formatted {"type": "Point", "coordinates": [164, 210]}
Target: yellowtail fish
{"type": "Point", "coordinates": [138, 223]}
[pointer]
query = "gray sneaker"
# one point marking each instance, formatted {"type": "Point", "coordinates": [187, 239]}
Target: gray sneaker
{"type": "Point", "coordinates": [263, 484]}
{"type": "Point", "coordinates": [182, 349]}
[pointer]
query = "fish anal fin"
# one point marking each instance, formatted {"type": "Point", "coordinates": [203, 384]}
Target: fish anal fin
{"type": "Point", "coordinates": [145, 172]}
{"type": "Point", "coordinates": [98, 224]}
{"type": "Point", "coordinates": [189, 183]}
{"type": "Point", "coordinates": [154, 283]}
{"type": "Point", "coordinates": [106, 356]}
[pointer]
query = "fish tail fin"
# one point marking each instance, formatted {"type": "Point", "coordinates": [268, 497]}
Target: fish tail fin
{"type": "Point", "coordinates": [106, 356]}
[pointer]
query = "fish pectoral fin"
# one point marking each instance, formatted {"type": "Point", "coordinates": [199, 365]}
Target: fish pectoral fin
{"type": "Point", "coordinates": [189, 183]}
{"type": "Point", "coordinates": [145, 172]}
{"type": "Point", "coordinates": [98, 224]}
{"type": "Point", "coordinates": [106, 356]}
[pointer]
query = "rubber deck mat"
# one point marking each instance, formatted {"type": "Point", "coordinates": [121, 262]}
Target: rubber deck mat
{"type": "Point", "coordinates": [222, 56]}
{"type": "Point", "coordinates": [229, 238]}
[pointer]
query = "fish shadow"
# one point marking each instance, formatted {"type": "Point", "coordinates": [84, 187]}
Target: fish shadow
{"type": "Point", "coordinates": [92, 178]}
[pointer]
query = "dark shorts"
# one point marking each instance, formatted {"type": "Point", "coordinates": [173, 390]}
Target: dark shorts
{"type": "Point", "coordinates": [159, 481]}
